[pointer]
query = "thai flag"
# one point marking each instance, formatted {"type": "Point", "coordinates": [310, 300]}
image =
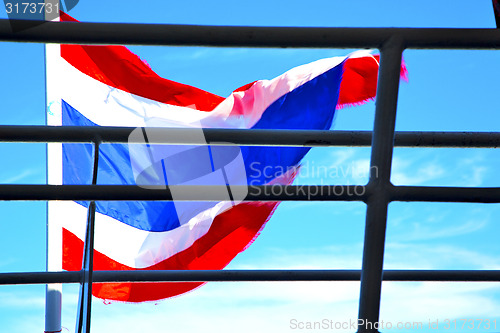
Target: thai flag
{"type": "Point", "coordinates": [110, 86]}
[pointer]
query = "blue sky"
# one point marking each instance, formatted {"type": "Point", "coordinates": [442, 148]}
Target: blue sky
{"type": "Point", "coordinates": [447, 91]}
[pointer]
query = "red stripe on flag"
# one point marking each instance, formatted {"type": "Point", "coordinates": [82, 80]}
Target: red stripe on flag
{"type": "Point", "coordinates": [231, 232]}
{"type": "Point", "coordinates": [359, 81]}
{"type": "Point", "coordinates": [117, 67]}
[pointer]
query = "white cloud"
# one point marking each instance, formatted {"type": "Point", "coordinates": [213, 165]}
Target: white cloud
{"type": "Point", "coordinates": [407, 172]}
{"type": "Point", "coordinates": [21, 300]}
{"type": "Point", "coordinates": [474, 171]}
{"type": "Point", "coordinates": [430, 221]}
{"type": "Point", "coordinates": [26, 173]}
{"type": "Point", "coordinates": [411, 166]}
{"type": "Point", "coordinates": [422, 231]}
{"type": "Point", "coordinates": [338, 257]}
{"type": "Point", "coordinates": [24, 323]}
{"type": "Point", "coordinates": [361, 168]}
{"type": "Point", "coordinates": [400, 255]}
{"type": "Point", "coordinates": [229, 307]}
{"type": "Point", "coordinates": [433, 301]}
{"type": "Point", "coordinates": [340, 156]}
{"type": "Point", "coordinates": [449, 167]}
{"type": "Point", "coordinates": [341, 166]}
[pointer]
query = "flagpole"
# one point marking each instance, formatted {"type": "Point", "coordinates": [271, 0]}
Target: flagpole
{"type": "Point", "coordinates": [53, 292]}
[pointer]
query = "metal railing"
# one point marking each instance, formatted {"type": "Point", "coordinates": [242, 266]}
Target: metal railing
{"type": "Point", "coordinates": [377, 193]}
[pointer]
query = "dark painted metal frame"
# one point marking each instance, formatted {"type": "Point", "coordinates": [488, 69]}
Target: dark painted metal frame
{"type": "Point", "coordinates": [377, 194]}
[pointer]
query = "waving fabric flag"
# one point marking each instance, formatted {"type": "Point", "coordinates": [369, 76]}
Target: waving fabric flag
{"type": "Point", "coordinates": [110, 86]}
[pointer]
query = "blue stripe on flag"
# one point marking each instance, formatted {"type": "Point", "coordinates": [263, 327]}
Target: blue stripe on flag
{"type": "Point", "coordinates": [308, 107]}
{"type": "Point", "coordinates": [114, 168]}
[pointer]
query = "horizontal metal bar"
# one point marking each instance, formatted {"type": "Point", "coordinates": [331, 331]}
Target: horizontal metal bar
{"type": "Point", "coordinates": [447, 139]}
{"type": "Point", "coordinates": [239, 36]}
{"type": "Point", "coordinates": [183, 193]}
{"type": "Point", "coordinates": [247, 275]}
{"type": "Point", "coordinates": [40, 277]}
{"type": "Point", "coordinates": [302, 275]}
{"type": "Point", "coordinates": [245, 137]}
{"type": "Point", "coordinates": [442, 275]}
{"type": "Point", "coordinates": [446, 194]}
{"type": "Point", "coordinates": [255, 193]}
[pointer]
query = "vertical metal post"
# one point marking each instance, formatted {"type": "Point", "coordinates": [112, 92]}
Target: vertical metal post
{"type": "Point", "coordinates": [379, 185]}
{"type": "Point", "coordinates": [85, 297]}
